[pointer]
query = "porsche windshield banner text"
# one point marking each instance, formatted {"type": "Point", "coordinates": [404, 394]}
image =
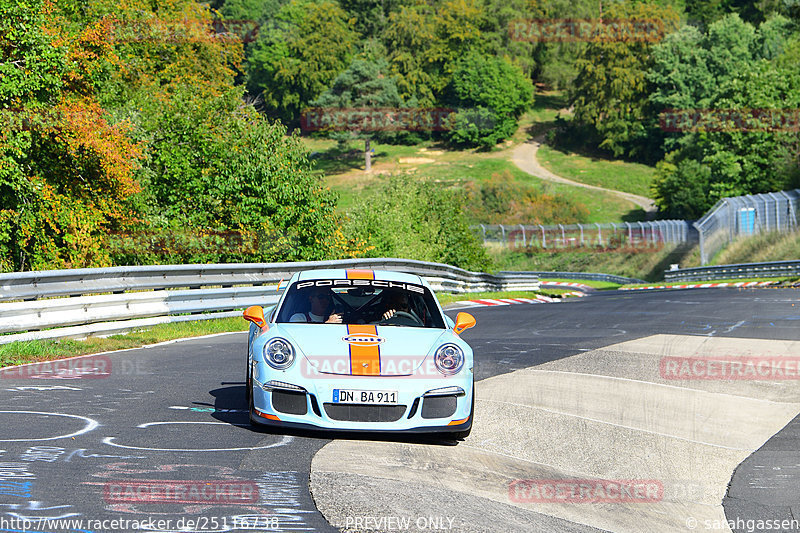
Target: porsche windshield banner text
{"type": "Point", "coordinates": [361, 283]}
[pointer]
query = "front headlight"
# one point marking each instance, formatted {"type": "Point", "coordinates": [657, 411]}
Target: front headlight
{"type": "Point", "coordinates": [449, 359]}
{"type": "Point", "coordinates": [279, 353]}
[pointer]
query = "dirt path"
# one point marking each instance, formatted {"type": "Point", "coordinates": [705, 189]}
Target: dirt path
{"type": "Point", "coordinates": [524, 156]}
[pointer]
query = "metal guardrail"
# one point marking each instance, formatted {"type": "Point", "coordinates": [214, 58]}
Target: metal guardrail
{"type": "Point", "coordinates": [740, 271]}
{"type": "Point", "coordinates": [77, 302]}
{"type": "Point", "coordinates": [593, 276]}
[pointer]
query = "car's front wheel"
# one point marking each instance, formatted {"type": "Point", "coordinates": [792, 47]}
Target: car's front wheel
{"type": "Point", "coordinates": [248, 382]}
{"type": "Point", "coordinates": [464, 434]}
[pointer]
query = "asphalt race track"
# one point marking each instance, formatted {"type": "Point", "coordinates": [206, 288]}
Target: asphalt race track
{"type": "Point", "coordinates": [569, 391]}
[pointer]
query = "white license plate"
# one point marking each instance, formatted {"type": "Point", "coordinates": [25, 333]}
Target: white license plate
{"type": "Point", "coordinates": [372, 397]}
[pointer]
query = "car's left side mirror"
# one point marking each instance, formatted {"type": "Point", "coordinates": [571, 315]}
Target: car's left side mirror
{"type": "Point", "coordinates": [255, 314]}
{"type": "Point", "coordinates": [463, 321]}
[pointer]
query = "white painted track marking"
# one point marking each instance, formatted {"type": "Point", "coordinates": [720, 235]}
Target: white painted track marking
{"type": "Point", "coordinates": [286, 439]}
{"type": "Point", "coordinates": [90, 425]}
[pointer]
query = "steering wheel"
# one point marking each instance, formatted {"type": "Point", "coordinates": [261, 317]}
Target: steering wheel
{"type": "Point", "coordinates": [401, 315]}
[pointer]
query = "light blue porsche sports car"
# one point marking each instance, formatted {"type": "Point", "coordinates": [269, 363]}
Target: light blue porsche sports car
{"type": "Point", "coordinates": [359, 350]}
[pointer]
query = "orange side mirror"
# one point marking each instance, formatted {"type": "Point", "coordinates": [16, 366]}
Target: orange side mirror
{"type": "Point", "coordinates": [255, 314]}
{"type": "Point", "coordinates": [463, 321]}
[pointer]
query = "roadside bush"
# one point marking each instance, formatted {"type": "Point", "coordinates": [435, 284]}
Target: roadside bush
{"type": "Point", "coordinates": [416, 220]}
{"type": "Point", "coordinates": [501, 200]}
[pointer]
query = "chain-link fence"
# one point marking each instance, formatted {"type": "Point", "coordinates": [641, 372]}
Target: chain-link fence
{"type": "Point", "coordinates": [620, 235]}
{"type": "Point", "coordinates": [746, 215]}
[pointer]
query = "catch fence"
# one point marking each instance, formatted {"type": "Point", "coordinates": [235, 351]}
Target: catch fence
{"type": "Point", "coordinates": [746, 215]}
{"type": "Point", "coordinates": [611, 235]}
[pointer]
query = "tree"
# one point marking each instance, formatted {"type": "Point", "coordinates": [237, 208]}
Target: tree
{"type": "Point", "coordinates": [424, 41]}
{"type": "Point", "coordinates": [371, 15]}
{"type": "Point", "coordinates": [219, 165]}
{"type": "Point", "coordinates": [67, 173]}
{"type": "Point", "coordinates": [611, 89]}
{"type": "Point", "coordinates": [364, 85]}
{"type": "Point", "coordinates": [122, 118]}
{"type": "Point", "coordinates": [259, 11]}
{"type": "Point", "coordinates": [491, 94]}
{"type": "Point", "coordinates": [680, 76]}
{"type": "Point", "coordinates": [736, 78]}
{"type": "Point", "coordinates": [296, 57]}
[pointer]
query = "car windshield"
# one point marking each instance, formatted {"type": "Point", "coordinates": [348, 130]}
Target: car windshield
{"type": "Point", "coordinates": [385, 303]}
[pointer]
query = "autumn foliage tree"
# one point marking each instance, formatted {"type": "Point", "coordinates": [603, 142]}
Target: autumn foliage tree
{"type": "Point", "coordinates": [66, 171]}
{"type": "Point", "coordinates": [123, 118]}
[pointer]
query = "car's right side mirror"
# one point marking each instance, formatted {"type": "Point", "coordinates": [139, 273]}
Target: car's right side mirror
{"type": "Point", "coordinates": [255, 314]}
{"type": "Point", "coordinates": [463, 321]}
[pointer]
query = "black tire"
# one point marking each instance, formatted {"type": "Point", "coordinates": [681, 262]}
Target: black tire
{"type": "Point", "coordinates": [464, 434]}
{"type": "Point", "coordinates": [248, 382]}
{"type": "Point", "coordinates": [251, 411]}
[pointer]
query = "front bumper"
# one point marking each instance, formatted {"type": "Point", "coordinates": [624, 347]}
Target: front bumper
{"type": "Point", "coordinates": [313, 406]}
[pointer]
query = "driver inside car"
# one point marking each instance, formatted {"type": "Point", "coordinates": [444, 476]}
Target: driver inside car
{"type": "Point", "coordinates": [321, 307]}
{"type": "Point", "coordinates": [397, 301]}
{"type": "Point", "coordinates": [396, 305]}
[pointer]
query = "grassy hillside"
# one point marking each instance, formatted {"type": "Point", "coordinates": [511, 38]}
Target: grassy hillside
{"type": "Point", "coordinates": [343, 168]}
{"type": "Point", "coordinates": [767, 247]}
{"type": "Point", "coordinates": [623, 176]}
{"type": "Point", "coordinates": [344, 174]}
{"type": "Point", "coordinates": [646, 265]}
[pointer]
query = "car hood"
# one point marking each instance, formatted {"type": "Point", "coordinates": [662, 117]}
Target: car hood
{"type": "Point", "coordinates": [363, 349]}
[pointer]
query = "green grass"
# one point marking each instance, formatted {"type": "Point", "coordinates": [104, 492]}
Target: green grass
{"type": "Point", "coordinates": [541, 117]}
{"type": "Point", "coordinates": [448, 298]}
{"type": "Point", "coordinates": [646, 264]}
{"type": "Point", "coordinates": [599, 285]}
{"type": "Point", "coordinates": [760, 248]}
{"type": "Point", "coordinates": [329, 159]}
{"type": "Point", "coordinates": [602, 207]}
{"type": "Point", "coordinates": [623, 176]}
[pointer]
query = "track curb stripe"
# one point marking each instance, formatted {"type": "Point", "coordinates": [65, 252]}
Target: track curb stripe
{"type": "Point", "coordinates": [738, 285]}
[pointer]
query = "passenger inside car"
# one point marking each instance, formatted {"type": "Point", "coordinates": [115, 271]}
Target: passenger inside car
{"type": "Point", "coordinates": [320, 308]}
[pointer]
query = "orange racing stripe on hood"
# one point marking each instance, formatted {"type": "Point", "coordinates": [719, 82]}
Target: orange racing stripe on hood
{"type": "Point", "coordinates": [365, 359]}
{"type": "Point", "coordinates": [360, 274]}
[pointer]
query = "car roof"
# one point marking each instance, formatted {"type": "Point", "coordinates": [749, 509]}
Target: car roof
{"type": "Point", "coordinates": [342, 273]}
